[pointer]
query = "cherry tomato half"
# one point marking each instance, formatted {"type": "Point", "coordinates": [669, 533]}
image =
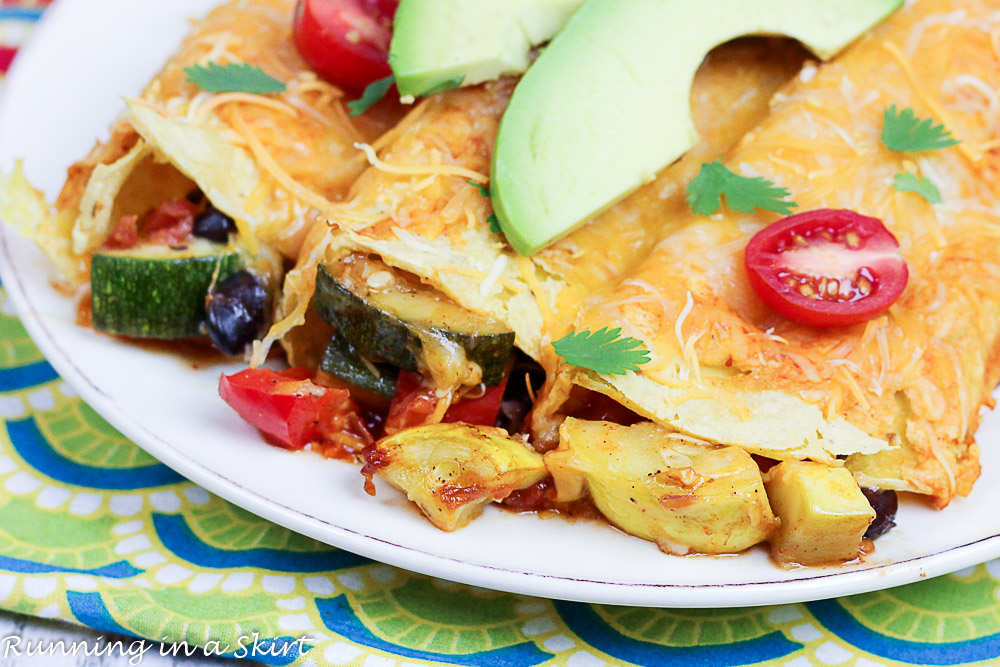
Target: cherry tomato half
{"type": "Point", "coordinates": [345, 41]}
{"type": "Point", "coordinates": [826, 268]}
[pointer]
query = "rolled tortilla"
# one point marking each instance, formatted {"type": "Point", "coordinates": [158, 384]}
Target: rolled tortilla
{"type": "Point", "coordinates": [272, 162]}
{"type": "Point", "coordinates": [901, 394]}
{"type": "Point", "coordinates": [417, 208]}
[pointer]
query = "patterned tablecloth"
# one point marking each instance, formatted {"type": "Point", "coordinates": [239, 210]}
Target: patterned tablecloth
{"type": "Point", "coordinates": [96, 532]}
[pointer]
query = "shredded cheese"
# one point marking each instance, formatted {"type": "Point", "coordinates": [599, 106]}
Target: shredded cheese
{"type": "Point", "coordinates": [679, 324]}
{"type": "Point", "coordinates": [411, 240]}
{"type": "Point", "coordinates": [930, 102]}
{"type": "Point", "coordinates": [963, 394]}
{"type": "Point", "coordinates": [468, 272]}
{"type": "Point", "coordinates": [419, 170]}
{"type": "Point", "coordinates": [271, 165]}
{"type": "Point", "coordinates": [934, 444]}
{"type": "Point", "coordinates": [302, 282]}
{"type": "Point", "coordinates": [245, 98]}
{"type": "Point", "coordinates": [307, 195]}
{"type": "Point", "coordinates": [527, 270]}
{"type": "Point", "coordinates": [855, 390]}
{"type": "Point", "coordinates": [486, 287]}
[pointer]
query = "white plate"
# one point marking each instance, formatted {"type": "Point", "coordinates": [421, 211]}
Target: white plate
{"type": "Point", "coordinates": [64, 91]}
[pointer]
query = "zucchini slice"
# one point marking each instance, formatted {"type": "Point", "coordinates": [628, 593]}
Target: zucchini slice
{"type": "Point", "coordinates": [342, 361]}
{"type": "Point", "coordinates": [394, 322]}
{"type": "Point", "coordinates": [155, 291]}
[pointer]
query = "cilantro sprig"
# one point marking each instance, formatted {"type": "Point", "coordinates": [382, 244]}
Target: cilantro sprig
{"type": "Point", "coordinates": [742, 193]}
{"type": "Point", "coordinates": [903, 132]}
{"type": "Point", "coordinates": [233, 78]}
{"type": "Point", "coordinates": [493, 219]}
{"type": "Point", "coordinates": [375, 91]}
{"type": "Point", "coordinates": [444, 86]}
{"type": "Point", "coordinates": [603, 351]}
{"type": "Point", "coordinates": [483, 190]}
{"type": "Point", "coordinates": [907, 182]}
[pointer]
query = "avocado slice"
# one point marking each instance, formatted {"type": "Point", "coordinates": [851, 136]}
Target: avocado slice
{"type": "Point", "coordinates": [684, 496]}
{"type": "Point", "coordinates": [438, 45]}
{"type": "Point", "coordinates": [607, 104]}
{"type": "Point", "coordinates": [823, 513]}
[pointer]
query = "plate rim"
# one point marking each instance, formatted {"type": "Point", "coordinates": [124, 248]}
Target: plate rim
{"type": "Point", "coordinates": [825, 583]}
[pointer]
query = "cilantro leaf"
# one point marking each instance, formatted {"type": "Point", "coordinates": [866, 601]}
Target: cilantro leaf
{"type": "Point", "coordinates": [494, 224]}
{"type": "Point", "coordinates": [493, 219]}
{"type": "Point", "coordinates": [233, 78]}
{"type": "Point", "coordinates": [375, 91]}
{"type": "Point", "coordinates": [483, 190]}
{"type": "Point", "coordinates": [603, 351]}
{"type": "Point", "coordinates": [444, 86]}
{"type": "Point", "coordinates": [902, 131]}
{"type": "Point", "coordinates": [907, 182]}
{"type": "Point", "coordinates": [743, 194]}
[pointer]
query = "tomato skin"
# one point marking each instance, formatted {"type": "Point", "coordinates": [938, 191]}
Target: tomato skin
{"type": "Point", "coordinates": [287, 406]}
{"type": "Point", "coordinates": [414, 402]}
{"type": "Point", "coordinates": [345, 41]}
{"type": "Point", "coordinates": [482, 411]}
{"type": "Point", "coordinates": [855, 250]}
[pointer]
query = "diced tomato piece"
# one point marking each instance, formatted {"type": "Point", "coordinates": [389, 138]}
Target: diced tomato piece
{"type": "Point", "coordinates": [411, 405]}
{"type": "Point", "coordinates": [125, 233]}
{"type": "Point", "coordinates": [482, 410]}
{"type": "Point", "coordinates": [170, 223]}
{"type": "Point", "coordinates": [290, 409]}
{"type": "Point", "coordinates": [414, 402]}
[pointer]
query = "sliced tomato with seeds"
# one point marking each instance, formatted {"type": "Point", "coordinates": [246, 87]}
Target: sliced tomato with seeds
{"type": "Point", "coordinates": [826, 268]}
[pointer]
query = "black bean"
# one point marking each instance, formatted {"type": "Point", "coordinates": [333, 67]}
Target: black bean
{"type": "Point", "coordinates": [884, 503]}
{"type": "Point", "coordinates": [214, 225]}
{"type": "Point", "coordinates": [236, 312]}
{"type": "Point", "coordinates": [516, 400]}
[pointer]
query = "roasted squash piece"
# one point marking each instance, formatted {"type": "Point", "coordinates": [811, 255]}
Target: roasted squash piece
{"type": "Point", "coordinates": [684, 496]}
{"type": "Point", "coordinates": [823, 513]}
{"type": "Point", "coordinates": [452, 471]}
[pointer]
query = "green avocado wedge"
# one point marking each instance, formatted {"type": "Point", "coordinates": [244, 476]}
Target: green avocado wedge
{"type": "Point", "coordinates": [607, 104]}
{"type": "Point", "coordinates": [438, 45]}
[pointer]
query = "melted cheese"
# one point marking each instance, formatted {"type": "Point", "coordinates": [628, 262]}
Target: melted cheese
{"type": "Point", "coordinates": [823, 142]}
{"type": "Point", "coordinates": [203, 109]}
{"type": "Point", "coordinates": [420, 170]}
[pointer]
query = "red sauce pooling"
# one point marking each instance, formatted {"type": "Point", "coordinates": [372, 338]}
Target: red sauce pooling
{"type": "Point", "coordinates": [540, 498]}
{"type": "Point", "coordinates": [374, 459]}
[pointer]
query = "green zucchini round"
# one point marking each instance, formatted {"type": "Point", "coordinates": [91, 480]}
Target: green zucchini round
{"type": "Point", "coordinates": [388, 326]}
{"type": "Point", "coordinates": [157, 291]}
{"type": "Point", "coordinates": [341, 360]}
